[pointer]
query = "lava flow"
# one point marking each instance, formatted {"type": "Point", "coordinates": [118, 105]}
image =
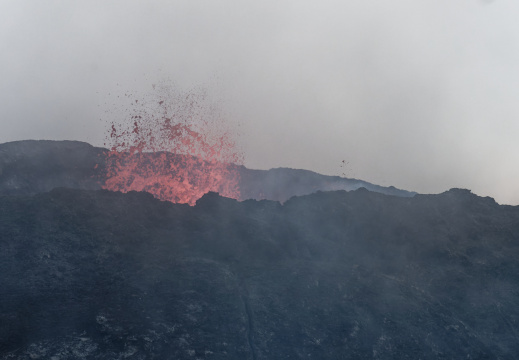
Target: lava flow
{"type": "Point", "coordinates": [174, 148]}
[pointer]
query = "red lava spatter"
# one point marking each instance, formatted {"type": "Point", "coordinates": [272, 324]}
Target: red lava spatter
{"type": "Point", "coordinates": [175, 148]}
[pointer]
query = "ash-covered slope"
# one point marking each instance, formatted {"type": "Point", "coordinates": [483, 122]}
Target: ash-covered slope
{"type": "Point", "coordinates": [31, 167]}
{"type": "Point", "coordinates": [332, 275]}
{"type": "Point", "coordinates": [282, 183]}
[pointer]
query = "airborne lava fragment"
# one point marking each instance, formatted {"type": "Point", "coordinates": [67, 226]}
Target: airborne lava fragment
{"type": "Point", "coordinates": [176, 147]}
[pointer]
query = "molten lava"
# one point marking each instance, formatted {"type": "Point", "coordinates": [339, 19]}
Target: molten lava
{"type": "Point", "coordinates": [174, 148]}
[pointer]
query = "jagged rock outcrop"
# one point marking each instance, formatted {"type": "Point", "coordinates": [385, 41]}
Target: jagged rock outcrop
{"type": "Point", "coordinates": [332, 275]}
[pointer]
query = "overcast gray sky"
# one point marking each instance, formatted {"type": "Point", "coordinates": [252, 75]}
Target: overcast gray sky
{"type": "Point", "coordinates": [419, 94]}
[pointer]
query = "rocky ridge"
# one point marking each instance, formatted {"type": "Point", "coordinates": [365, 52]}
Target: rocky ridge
{"type": "Point", "coordinates": [31, 167]}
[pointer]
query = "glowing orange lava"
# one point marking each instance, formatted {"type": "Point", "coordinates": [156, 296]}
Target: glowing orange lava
{"type": "Point", "coordinates": [175, 148]}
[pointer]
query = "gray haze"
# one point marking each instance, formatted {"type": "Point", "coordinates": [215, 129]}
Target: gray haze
{"type": "Point", "coordinates": [421, 95]}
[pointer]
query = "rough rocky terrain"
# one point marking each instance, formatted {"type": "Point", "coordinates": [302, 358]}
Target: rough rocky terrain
{"type": "Point", "coordinates": [333, 275]}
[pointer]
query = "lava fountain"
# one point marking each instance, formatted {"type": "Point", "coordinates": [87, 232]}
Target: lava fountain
{"type": "Point", "coordinates": [175, 146]}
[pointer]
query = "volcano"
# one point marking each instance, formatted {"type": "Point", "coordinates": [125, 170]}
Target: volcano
{"type": "Point", "coordinates": [89, 273]}
{"type": "Point", "coordinates": [30, 167]}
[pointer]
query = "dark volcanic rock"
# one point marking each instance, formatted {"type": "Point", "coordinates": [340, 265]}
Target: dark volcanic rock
{"type": "Point", "coordinates": [31, 167]}
{"type": "Point", "coordinates": [334, 275]}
